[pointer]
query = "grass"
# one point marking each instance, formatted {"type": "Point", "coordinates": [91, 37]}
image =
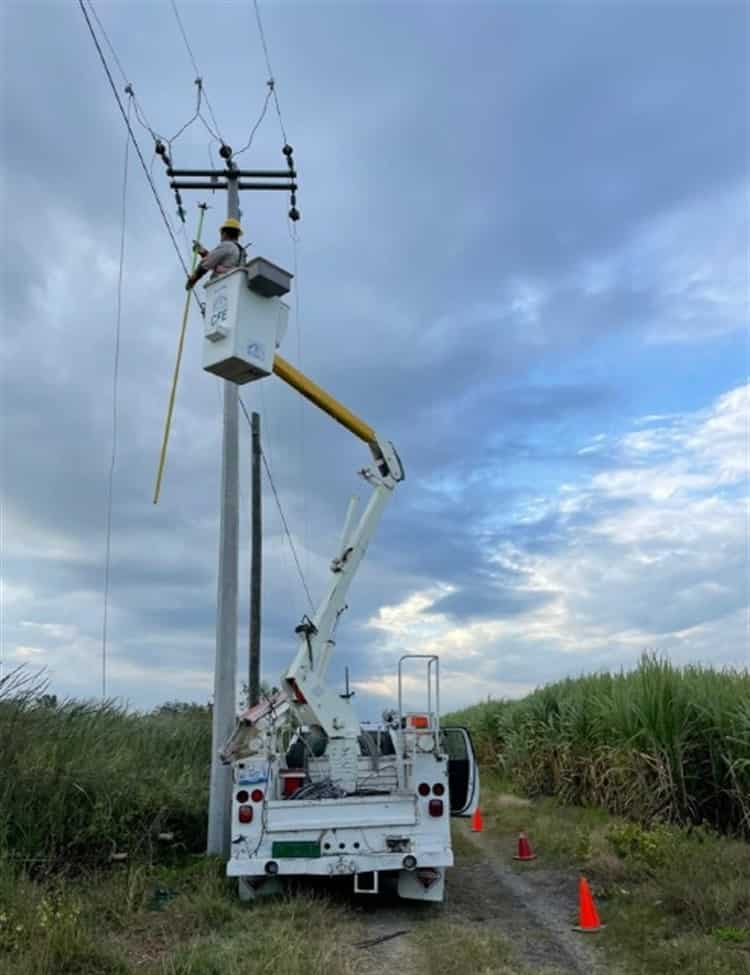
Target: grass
{"type": "Point", "coordinates": [658, 743]}
{"type": "Point", "coordinates": [614, 764]}
{"type": "Point", "coordinates": [118, 922]}
{"type": "Point", "coordinates": [447, 948]}
{"type": "Point", "coordinates": [676, 900]}
{"type": "Point", "coordinates": [81, 781]}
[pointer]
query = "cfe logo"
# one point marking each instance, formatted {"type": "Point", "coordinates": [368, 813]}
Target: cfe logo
{"type": "Point", "coordinates": [256, 350]}
{"type": "Point", "coordinates": [219, 310]}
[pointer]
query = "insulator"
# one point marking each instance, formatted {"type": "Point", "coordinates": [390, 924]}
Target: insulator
{"type": "Point", "coordinates": [294, 214]}
{"type": "Point", "coordinates": [160, 149]}
{"type": "Point", "coordinates": [287, 150]}
{"type": "Point", "coordinates": [225, 152]}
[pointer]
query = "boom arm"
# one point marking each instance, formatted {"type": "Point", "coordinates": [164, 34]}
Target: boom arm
{"type": "Point", "coordinates": [305, 679]}
{"type": "Point", "coordinates": [315, 702]}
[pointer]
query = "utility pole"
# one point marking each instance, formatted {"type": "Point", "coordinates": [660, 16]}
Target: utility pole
{"type": "Point", "coordinates": [225, 663]}
{"type": "Point", "coordinates": [225, 667]}
{"type": "Point", "coordinates": [256, 552]}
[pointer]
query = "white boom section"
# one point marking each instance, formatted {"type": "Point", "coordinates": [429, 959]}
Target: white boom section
{"type": "Point", "coordinates": [314, 701]}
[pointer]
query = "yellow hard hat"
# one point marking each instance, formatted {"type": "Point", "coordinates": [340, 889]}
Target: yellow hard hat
{"type": "Point", "coordinates": [231, 224]}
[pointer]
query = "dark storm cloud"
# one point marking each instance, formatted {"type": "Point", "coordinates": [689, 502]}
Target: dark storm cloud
{"type": "Point", "coordinates": [459, 164]}
{"type": "Point", "coordinates": [488, 602]}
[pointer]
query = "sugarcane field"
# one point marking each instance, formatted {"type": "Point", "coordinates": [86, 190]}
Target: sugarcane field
{"type": "Point", "coordinates": [374, 531]}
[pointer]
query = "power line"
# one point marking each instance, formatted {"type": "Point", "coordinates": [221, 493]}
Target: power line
{"type": "Point", "coordinates": [139, 112]}
{"type": "Point", "coordinates": [271, 80]}
{"type": "Point", "coordinates": [107, 41]}
{"type": "Point", "coordinates": [286, 529]}
{"type": "Point", "coordinates": [140, 116]}
{"type": "Point", "coordinates": [196, 115]}
{"type": "Point", "coordinates": [282, 515]}
{"type": "Point", "coordinates": [302, 437]}
{"type": "Point", "coordinates": [132, 135]}
{"type": "Point", "coordinates": [199, 80]}
{"type": "Point", "coordinates": [257, 124]}
{"type": "Point", "coordinates": [115, 376]}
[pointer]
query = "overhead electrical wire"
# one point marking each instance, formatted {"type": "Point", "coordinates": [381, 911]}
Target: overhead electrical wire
{"type": "Point", "coordinates": [257, 124]}
{"type": "Point", "coordinates": [139, 112]}
{"type": "Point", "coordinates": [271, 79]}
{"type": "Point", "coordinates": [143, 121]}
{"type": "Point", "coordinates": [129, 127]}
{"type": "Point", "coordinates": [115, 377]}
{"type": "Point", "coordinates": [272, 93]}
{"type": "Point", "coordinates": [281, 514]}
{"type": "Point", "coordinates": [286, 529]}
{"type": "Point", "coordinates": [198, 76]}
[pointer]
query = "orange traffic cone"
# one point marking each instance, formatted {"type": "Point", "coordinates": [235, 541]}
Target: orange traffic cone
{"type": "Point", "coordinates": [524, 849]}
{"type": "Point", "coordinates": [476, 821]}
{"type": "Point", "coordinates": [587, 912]}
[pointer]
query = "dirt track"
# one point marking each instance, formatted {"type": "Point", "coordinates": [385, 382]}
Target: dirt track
{"type": "Point", "coordinates": [534, 911]}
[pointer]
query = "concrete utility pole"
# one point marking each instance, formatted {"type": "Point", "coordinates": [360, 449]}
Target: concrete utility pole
{"type": "Point", "coordinates": [225, 664]}
{"type": "Point", "coordinates": [225, 667]}
{"type": "Point", "coordinates": [256, 563]}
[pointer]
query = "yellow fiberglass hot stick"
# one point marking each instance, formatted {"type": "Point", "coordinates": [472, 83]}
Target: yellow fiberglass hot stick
{"type": "Point", "coordinates": [168, 421]}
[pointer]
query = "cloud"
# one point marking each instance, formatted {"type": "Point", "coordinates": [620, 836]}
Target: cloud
{"type": "Point", "coordinates": [520, 259]}
{"type": "Point", "coordinates": [664, 569]}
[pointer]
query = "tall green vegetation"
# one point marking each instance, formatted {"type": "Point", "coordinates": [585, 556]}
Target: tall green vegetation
{"type": "Point", "coordinates": [83, 781]}
{"type": "Point", "coordinates": [656, 743]}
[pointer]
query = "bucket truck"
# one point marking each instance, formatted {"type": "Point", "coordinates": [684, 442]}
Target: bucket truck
{"type": "Point", "coordinates": [315, 791]}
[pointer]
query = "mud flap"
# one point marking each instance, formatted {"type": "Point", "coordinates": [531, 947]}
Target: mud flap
{"type": "Point", "coordinates": [422, 884]}
{"type": "Point", "coordinates": [251, 888]}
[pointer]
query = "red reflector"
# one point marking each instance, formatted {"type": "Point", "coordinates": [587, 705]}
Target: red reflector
{"type": "Point", "coordinates": [423, 789]}
{"type": "Point", "coordinates": [436, 807]}
{"type": "Point", "coordinates": [246, 814]}
{"type": "Point", "coordinates": [438, 789]}
{"type": "Point", "coordinates": [242, 796]}
{"type": "Point", "coordinates": [419, 721]}
{"type": "Point", "coordinates": [256, 795]}
{"type": "Point", "coordinates": [291, 782]}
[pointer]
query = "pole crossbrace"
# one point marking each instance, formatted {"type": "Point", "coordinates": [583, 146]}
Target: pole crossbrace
{"type": "Point", "coordinates": [235, 173]}
{"type": "Point", "coordinates": [196, 185]}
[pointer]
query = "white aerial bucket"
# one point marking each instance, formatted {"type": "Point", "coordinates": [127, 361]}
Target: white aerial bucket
{"type": "Point", "coordinates": [245, 321]}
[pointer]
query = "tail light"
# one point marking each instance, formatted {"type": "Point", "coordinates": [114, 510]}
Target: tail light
{"type": "Point", "coordinates": [242, 795]}
{"type": "Point", "coordinates": [423, 789]}
{"type": "Point", "coordinates": [438, 789]}
{"type": "Point", "coordinates": [246, 814]}
{"type": "Point", "coordinates": [436, 807]}
{"type": "Point", "coordinates": [256, 795]}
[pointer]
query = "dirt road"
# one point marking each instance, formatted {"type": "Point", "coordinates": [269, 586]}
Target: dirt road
{"type": "Point", "coordinates": [532, 913]}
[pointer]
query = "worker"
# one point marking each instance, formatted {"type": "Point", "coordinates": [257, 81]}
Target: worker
{"type": "Point", "coordinates": [226, 256]}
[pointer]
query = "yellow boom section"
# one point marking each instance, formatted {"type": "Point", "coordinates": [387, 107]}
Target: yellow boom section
{"type": "Point", "coordinates": [310, 390]}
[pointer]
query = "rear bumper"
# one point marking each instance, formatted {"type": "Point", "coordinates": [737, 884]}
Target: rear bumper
{"type": "Point", "coordinates": [337, 866]}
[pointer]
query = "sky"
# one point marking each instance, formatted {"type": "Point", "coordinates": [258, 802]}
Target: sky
{"type": "Point", "coordinates": [522, 258]}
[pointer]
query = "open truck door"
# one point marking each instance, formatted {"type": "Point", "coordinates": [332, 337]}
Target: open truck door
{"type": "Point", "coordinates": [463, 771]}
